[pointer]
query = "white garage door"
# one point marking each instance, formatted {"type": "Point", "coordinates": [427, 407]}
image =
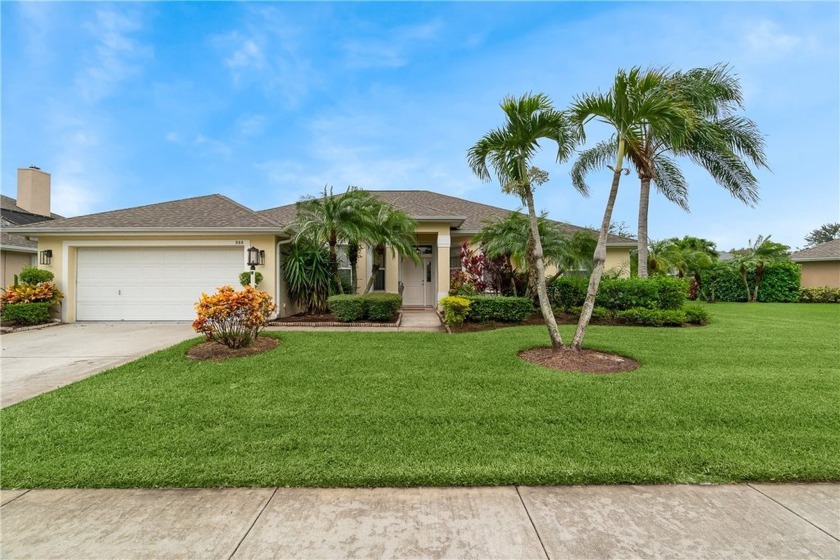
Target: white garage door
{"type": "Point", "coordinates": [150, 283]}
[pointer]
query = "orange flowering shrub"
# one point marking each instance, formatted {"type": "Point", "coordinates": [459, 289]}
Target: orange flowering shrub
{"type": "Point", "coordinates": [233, 318]}
{"type": "Point", "coordinates": [30, 293]}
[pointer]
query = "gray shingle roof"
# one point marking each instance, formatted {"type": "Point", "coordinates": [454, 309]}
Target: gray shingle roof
{"type": "Point", "coordinates": [211, 212]}
{"type": "Point", "coordinates": [12, 215]}
{"type": "Point", "coordinates": [428, 203]}
{"type": "Point", "coordinates": [829, 251]}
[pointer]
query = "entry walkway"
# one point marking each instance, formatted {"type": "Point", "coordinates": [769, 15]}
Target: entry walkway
{"type": "Point", "coordinates": [733, 521]}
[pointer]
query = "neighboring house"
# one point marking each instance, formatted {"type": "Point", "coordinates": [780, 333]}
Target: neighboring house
{"type": "Point", "coordinates": [820, 265]}
{"type": "Point", "coordinates": [32, 206]}
{"type": "Point", "coordinates": [152, 262]}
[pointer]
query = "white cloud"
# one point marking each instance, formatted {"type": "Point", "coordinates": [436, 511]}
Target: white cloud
{"type": "Point", "coordinates": [212, 147]}
{"type": "Point", "coordinates": [251, 125]}
{"type": "Point", "coordinates": [116, 57]}
{"type": "Point", "coordinates": [392, 48]}
{"type": "Point", "coordinates": [765, 37]}
{"type": "Point", "coordinates": [173, 137]}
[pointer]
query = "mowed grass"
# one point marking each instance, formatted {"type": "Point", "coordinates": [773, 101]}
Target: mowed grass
{"type": "Point", "coordinates": [755, 395]}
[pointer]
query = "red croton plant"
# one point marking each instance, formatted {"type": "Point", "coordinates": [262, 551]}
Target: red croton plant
{"type": "Point", "coordinates": [233, 318]}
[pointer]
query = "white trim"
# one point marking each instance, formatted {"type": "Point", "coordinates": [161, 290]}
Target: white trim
{"type": "Point", "coordinates": [444, 240]}
{"type": "Point", "coordinates": [815, 259]}
{"type": "Point", "coordinates": [65, 253]}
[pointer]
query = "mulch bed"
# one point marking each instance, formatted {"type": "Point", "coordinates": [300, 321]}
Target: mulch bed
{"type": "Point", "coordinates": [216, 351]}
{"type": "Point", "coordinates": [584, 361]}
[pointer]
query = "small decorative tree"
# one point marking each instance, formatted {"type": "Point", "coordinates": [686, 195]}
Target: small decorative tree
{"type": "Point", "coordinates": [233, 318]}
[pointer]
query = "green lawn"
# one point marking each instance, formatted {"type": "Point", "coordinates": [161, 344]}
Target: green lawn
{"type": "Point", "coordinates": [755, 395]}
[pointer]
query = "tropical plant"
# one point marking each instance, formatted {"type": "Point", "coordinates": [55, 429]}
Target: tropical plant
{"type": "Point", "coordinates": [509, 151]}
{"type": "Point", "coordinates": [308, 275]}
{"type": "Point", "coordinates": [755, 258]}
{"type": "Point", "coordinates": [719, 141]}
{"type": "Point", "coordinates": [823, 234]}
{"type": "Point", "coordinates": [637, 106]}
{"type": "Point", "coordinates": [390, 228]}
{"type": "Point", "coordinates": [245, 278]}
{"type": "Point", "coordinates": [233, 318]}
{"type": "Point", "coordinates": [331, 219]}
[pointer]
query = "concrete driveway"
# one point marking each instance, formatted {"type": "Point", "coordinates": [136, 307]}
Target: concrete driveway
{"type": "Point", "coordinates": [34, 362]}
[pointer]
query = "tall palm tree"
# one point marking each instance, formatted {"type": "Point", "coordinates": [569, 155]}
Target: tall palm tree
{"type": "Point", "coordinates": [719, 142]}
{"type": "Point", "coordinates": [637, 104]}
{"type": "Point", "coordinates": [394, 229]}
{"type": "Point", "coordinates": [756, 257]}
{"type": "Point", "coordinates": [332, 219]}
{"type": "Point", "coordinates": [509, 151]}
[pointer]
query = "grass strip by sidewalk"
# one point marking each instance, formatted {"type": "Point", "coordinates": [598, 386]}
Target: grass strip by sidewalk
{"type": "Point", "coordinates": [752, 396]}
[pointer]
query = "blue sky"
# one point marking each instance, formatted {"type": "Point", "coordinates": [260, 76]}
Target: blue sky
{"type": "Point", "coordinates": [136, 103]}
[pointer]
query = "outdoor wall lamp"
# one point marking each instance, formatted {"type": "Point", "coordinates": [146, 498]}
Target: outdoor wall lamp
{"type": "Point", "coordinates": [46, 256]}
{"type": "Point", "coordinates": [262, 257]}
{"type": "Point", "coordinates": [254, 257]}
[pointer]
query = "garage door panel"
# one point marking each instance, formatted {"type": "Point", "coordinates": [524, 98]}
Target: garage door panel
{"type": "Point", "coordinates": [150, 283]}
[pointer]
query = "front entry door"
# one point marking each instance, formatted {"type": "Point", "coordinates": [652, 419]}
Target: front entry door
{"type": "Point", "coordinates": [417, 282]}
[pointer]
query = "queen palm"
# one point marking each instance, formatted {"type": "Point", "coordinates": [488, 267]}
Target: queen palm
{"type": "Point", "coordinates": [509, 151]}
{"type": "Point", "coordinates": [330, 220]}
{"type": "Point", "coordinates": [719, 142]}
{"type": "Point", "coordinates": [636, 105]}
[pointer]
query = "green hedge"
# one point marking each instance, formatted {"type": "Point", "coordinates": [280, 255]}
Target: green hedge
{"type": "Point", "coordinates": [652, 317]}
{"type": "Point", "coordinates": [32, 275]}
{"type": "Point", "coordinates": [28, 313]}
{"type": "Point", "coordinates": [381, 307]}
{"type": "Point", "coordinates": [780, 283]}
{"type": "Point", "coordinates": [374, 307]}
{"type": "Point", "coordinates": [621, 293]}
{"type": "Point", "coordinates": [499, 308]}
{"type": "Point", "coordinates": [823, 294]}
{"type": "Point", "coordinates": [347, 308]}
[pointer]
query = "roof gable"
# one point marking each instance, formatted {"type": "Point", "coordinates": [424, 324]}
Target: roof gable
{"type": "Point", "coordinates": [210, 212]}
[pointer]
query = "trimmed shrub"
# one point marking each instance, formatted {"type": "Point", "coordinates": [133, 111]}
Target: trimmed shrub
{"type": "Point", "coordinates": [28, 313]}
{"type": "Point", "coordinates": [499, 308]}
{"type": "Point", "coordinates": [32, 275]}
{"type": "Point", "coordinates": [245, 278]}
{"type": "Point", "coordinates": [696, 315]}
{"type": "Point", "coordinates": [780, 283]}
{"type": "Point", "coordinates": [652, 317]}
{"type": "Point", "coordinates": [233, 318]}
{"type": "Point", "coordinates": [381, 307]}
{"type": "Point", "coordinates": [567, 292]}
{"type": "Point", "coordinates": [601, 313]}
{"type": "Point", "coordinates": [671, 292]}
{"type": "Point", "coordinates": [347, 308]}
{"type": "Point", "coordinates": [455, 309]}
{"type": "Point", "coordinates": [628, 293]}
{"type": "Point", "coordinates": [823, 294]}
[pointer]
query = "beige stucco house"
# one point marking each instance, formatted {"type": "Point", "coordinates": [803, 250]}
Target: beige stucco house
{"type": "Point", "coordinates": [820, 265]}
{"type": "Point", "coordinates": [152, 262]}
{"type": "Point", "coordinates": [32, 205]}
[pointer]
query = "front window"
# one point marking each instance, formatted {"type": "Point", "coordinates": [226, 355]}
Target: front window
{"type": "Point", "coordinates": [345, 271]}
{"type": "Point", "coordinates": [379, 280]}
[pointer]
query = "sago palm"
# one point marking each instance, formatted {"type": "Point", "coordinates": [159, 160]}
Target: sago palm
{"type": "Point", "coordinates": [636, 105]}
{"type": "Point", "coordinates": [508, 150]}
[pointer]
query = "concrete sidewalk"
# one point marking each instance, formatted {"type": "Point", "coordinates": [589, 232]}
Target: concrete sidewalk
{"type": "Point", "coordinates": [413, 320]}
{"type": "Point", "coordinates": [733, 521]}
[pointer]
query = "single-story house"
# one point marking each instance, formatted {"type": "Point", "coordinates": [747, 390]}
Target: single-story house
{"type": "Point", "coordinates": [31, 206]}
{"type": "Point", "coordinates": [152, 262]}
{"type": "Point", "coordinates": [820, 265]}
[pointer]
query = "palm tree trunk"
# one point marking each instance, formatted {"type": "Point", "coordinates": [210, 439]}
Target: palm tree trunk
{"type": "Point", "coordinates": [746, 284]}
{"type": "Point", "coordinates": [334, 263]}
{"type": "Point", "coordinates": [644, 204]}
{"type": "Point", "coordinates": [542, 293]}
{"type": "Point", "coordinates": [600, 254]}
{"type": "Point", "coordinates": [530, 257]}
{"type": "Point", "coordinates": [759, 274]}
{"type": "Point", "coordinates": [378, 250]}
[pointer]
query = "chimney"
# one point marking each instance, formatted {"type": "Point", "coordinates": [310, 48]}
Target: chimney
{"type": "Point", "coordinates": [33, 193]}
